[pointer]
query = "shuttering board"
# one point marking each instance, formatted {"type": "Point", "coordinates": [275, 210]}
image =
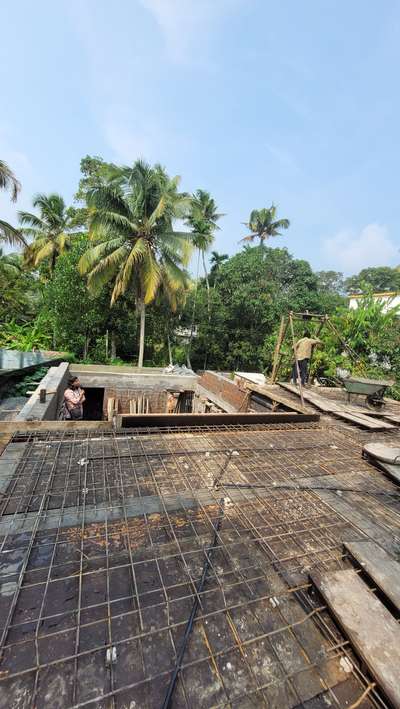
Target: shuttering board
{"type": "Point", "coordinates": [273, 395]}
{"type": "Point", "coordinates": [380, 567]}
{"type": "Point", "coordinates": [392, 470]}
{"type": "Point", "coordinates": [349, 413]}
{"type": "Point", "coordinates": [370, 627]}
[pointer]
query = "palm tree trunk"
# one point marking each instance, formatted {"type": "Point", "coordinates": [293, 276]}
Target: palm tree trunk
{"type": "Point", "coordinates": [207, 283]}
{"type": "Point", "coordinates": [113, 345]}
{"type": "Point", "coordinates": [142, 311]}
{"type": "Point", "coordinates": [169, 348]}
{"type": "Point", "coordinates": [86, 346]}
{"type": "Point", "coordinates": [193, 314]}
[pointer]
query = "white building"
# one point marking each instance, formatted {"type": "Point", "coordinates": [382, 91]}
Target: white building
{"type": "Point", "coordinates": [390, 299]}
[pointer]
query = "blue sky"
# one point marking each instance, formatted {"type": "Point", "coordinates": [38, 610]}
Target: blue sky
{"type": "Point", "coordinates": [255, 101]}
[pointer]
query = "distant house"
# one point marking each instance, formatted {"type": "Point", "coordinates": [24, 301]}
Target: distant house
{"type": "Point", "coordinates": [390, 299]}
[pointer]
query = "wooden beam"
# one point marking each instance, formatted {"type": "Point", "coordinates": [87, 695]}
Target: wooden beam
{"type": "Point", "coordinates": [278, 346]}
{"type": "Point", "coordinates": [372, 630]}
{"type": "Point", "coordinates": [379, 566]}
{"type": "Point", "coordinates": [299, 383]}
{"type": "Point", "coordinates": [217, 419]}
{"type": "Point", "coordinates": [274, 396]}
{"type": "Point", "coordinates": [14, 426]}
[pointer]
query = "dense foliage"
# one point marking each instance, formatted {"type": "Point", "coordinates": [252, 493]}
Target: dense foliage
{"type": "Point", "coordinates": [121, 235]}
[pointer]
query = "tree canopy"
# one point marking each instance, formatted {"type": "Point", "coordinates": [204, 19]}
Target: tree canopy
{"type": "Point", "coordinates": [118, 252]}
{"type": "Point", "coordinates": [380, 279]}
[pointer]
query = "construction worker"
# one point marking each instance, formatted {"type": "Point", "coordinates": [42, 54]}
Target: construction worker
{"type": "Point", "coordinates": [74, 398]}
{"type": "Point", "coordinates": [303, 350]}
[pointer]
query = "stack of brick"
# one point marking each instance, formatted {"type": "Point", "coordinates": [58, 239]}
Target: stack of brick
{"type": "Point", "coordinates": [225, 389]}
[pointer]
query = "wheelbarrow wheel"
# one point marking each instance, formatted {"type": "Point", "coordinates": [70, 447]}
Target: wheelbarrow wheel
{"type": "Point", "coordinates": [375, 403]}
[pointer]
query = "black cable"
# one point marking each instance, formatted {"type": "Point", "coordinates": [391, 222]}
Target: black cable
{"type": "Point", "coordinates": [189, 625]}
{"type": "Point", "coordinates": [223, 469]}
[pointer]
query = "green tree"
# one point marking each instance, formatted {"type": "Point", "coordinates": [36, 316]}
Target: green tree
{"type": "Point", "coordinates": [263, 224]}
{"type": "Point", "coordinates": [80, 319]}
{"type": "Point", "coordinates": [93, 171]}
{"type": "Point", "coordinates": [50, 230]}
{"type": "Point", "coordinates": [135, 245]}
{"type": "Point", "coordinates": [254, 288]}
{"type": "Point", "coordinates": [19, 291]}
{"type": "Point", "coordinates": [331, 281]}
{"type": "Point", "coordinates": [380, 279]}
{"type": "Point", "coordinates": [216, 261]}
{"type": "Point", "coordinates": [8, 182]}
{"type": "Point", "coordinates": [331, 291]}
{"type": "Point", "coordinates": [10, 265]}
{"type": "Point", "coordinates": [202, 219]}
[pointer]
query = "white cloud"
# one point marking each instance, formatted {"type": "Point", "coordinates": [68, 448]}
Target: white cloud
{"type": "Point", "coordinates": [183, 22]}
{"type": "Point", "coordinates": [350, 251]}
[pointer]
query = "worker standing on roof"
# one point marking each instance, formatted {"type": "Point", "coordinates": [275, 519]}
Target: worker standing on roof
{"type": "Point", "coordinates": [303, 350]}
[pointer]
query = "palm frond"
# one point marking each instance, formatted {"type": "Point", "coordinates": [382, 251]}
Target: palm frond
{"type": "Point", "coordinates": [282, 224]}
{"type": "Point", "coordinates": [32, 220]}
{"type": "Point", "coordinates": [10, 235]}
{"type": "Point", "coordinates": [93, 255]}
{"type": "Point", "coordinates": [8, 181]}
{"type": "Point", "coordinates": [137, 253]}
{"type": "Point", "coordinates": [103, 218]}
{"type": "Point", "coordinates": [106, 269]}
{"type": "Point", "coordinates": [45, 252]}
{"type": "Point", "coordinates": [150, 276]}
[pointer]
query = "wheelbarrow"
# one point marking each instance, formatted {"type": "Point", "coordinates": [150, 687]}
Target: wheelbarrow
{"type": "Point", "coordinates": [372, 389]}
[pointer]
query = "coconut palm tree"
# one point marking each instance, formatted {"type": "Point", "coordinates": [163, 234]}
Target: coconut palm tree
{"type": "Point", "coordinates": [263, 224]}
{"type": "Point", "coordinates": [202, 219]}
{"type": "Point", "coordinates": [135, 245]}
{"type": "Point", "coordinates": [50, 230]}
{"type": "Point", "coordinates": [216, 261]}
{"type": "Point", "coordinates": [8, 182]}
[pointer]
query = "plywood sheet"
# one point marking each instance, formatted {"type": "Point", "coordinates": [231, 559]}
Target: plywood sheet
{"type": "Point", "coordinates": [371, 629]}
{"type": "Point", "coordinates": [380, 567]}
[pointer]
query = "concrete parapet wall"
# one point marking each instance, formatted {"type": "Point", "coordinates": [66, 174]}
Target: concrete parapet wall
{"type": "Point", "coordinates": [127, 378]}
{"type": "Point", "coordinates": [54, 381]}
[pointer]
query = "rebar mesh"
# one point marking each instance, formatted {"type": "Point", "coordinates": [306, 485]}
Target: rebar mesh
{"type": "Point", "coordinates": [103, 539]}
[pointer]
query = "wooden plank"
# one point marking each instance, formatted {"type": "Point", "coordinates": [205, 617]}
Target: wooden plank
{"type": "Point", "coordinates": [373, 526]}
{"type": "Point", "coordinates": [380, 567]}
{"type": "Point", "coordinates": [371, 629]}
{"type": "Point", "coordinates": [392, 418]}
{"type": "Point", "coordinates": [336, 409]}
{"type": "Point", "coordinates": [272, 395]}
{"type": "Point", "coordinates": [14, 426]}
{"type": "Point", "coordinates": [392, 470]}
